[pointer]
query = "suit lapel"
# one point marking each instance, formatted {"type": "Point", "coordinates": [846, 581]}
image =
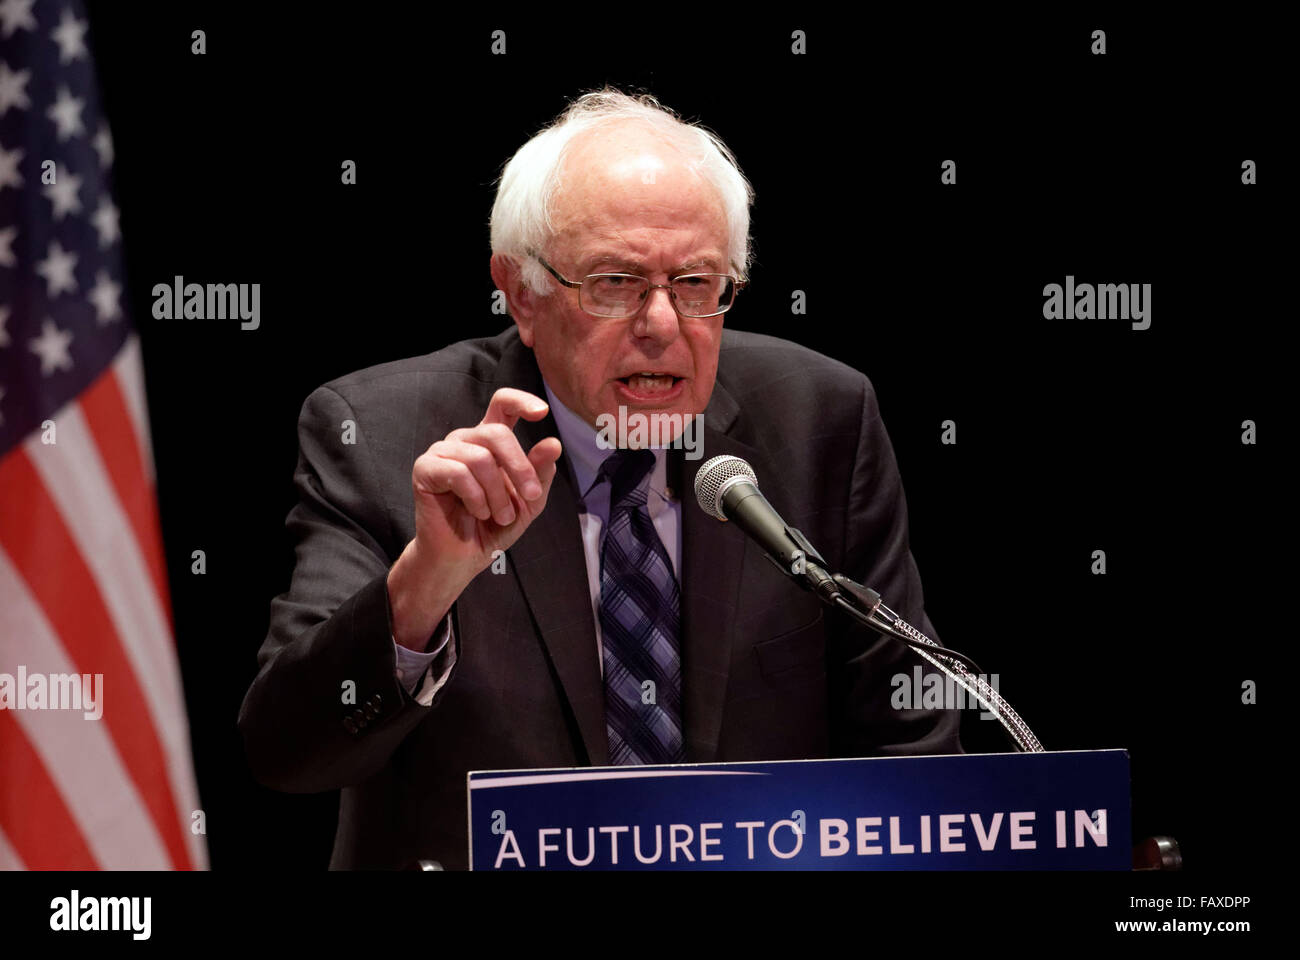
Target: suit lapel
{"type": "Point", "coordinates": [713, 556]}
{"type": "Point", "coordinates": [554, 587]}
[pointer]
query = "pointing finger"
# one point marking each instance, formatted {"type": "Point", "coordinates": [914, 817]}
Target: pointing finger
{"type": "Point", "coordinates": [508, 405]}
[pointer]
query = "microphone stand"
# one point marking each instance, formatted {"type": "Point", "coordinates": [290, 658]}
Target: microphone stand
{"type": "Point", "coordinates": [865, 606]}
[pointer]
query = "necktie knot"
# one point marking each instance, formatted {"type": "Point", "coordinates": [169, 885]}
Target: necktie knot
{"type": "Point", "coordinates": [625, 470]}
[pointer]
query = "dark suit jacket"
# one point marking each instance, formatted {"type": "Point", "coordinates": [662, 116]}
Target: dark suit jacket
{"type": "Point", "coordinates": [768, 673]}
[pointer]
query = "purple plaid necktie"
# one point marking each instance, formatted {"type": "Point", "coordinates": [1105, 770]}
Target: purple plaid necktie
{"type": "Point", "coordinates": [640, 616]}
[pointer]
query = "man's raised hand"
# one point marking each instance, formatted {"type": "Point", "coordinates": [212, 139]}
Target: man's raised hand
{"type": "Point", "coordinates": [476, 492]}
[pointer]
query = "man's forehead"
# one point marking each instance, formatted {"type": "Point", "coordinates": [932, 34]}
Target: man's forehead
{"type": "Point", "coordinates": [695, 237]}
{"type": "Point", "coordinates": [619, 219]}
{"type": "Point", "coordinates": [644, 165]}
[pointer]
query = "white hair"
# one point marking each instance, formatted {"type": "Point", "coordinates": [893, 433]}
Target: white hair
{"type": "Point", "coordinates": [522, 214]}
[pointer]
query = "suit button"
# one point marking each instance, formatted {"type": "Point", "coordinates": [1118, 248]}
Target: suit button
{"type": "Point", "coordinates": [348, 725]}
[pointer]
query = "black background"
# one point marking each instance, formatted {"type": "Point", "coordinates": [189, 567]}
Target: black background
{"type": "Point", "coordinates": [1072, 435]}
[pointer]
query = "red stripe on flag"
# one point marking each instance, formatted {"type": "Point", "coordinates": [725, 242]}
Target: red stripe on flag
{"type": "Point", "coordinates": [39, 825]}
{"type": "Point", "coordinates": [46, 555]}
{"type": "Point", "coordinates": [119, 448]}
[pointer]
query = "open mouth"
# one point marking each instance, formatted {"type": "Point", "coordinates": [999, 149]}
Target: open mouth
{"type": "Point", "coordinates": [650, 382]}
{"type": "Point", "coordinates": [650, 388]}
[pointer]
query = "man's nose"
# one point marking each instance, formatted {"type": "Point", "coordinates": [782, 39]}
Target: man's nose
{"type": "Point", "coordinates": [658, 319]}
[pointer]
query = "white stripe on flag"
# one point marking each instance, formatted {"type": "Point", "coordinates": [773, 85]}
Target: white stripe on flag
{"type": "Point", "coordinates": [130, 379]}
{"type": "Point", "coordinates": [77, 481]}
{"type": "Point", "coordinates": [78, 754]}
{"type": "Point", "coordinates": [9, 859]}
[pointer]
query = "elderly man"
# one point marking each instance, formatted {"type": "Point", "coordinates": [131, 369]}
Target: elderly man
{"type": "Point", "coordinates": [482, 583]}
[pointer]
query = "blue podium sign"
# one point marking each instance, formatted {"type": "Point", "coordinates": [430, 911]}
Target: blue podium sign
{"type": "Point", "coordinates": [1066, 810]}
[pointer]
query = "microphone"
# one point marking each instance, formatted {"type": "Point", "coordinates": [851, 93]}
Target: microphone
{"type": "Point", "coordinates": [727, 489]}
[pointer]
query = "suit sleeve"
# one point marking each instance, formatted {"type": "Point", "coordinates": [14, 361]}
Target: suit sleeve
{"type": "Point", "coordinates": [326, 709]}
{"type": "Point", "coordinates": [878, 555]}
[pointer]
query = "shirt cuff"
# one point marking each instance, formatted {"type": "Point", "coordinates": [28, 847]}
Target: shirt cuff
{"type": "Point", "coordinates": [427, 671]}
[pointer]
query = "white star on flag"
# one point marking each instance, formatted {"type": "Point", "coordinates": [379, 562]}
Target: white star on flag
{"type": "Point", "coordinates": [66, 114]}
{"type": "Point", "coordinates": [56, 268]}
{"type": "Point", "coordinates": [63, 193]}
{"type": "Point", "coordinates": [106, 222]}
{"type": "Point", "coordinates": [52, 347]}
{"type": "Point", "coordinates": [104, 295]}
{"type": "Point", "coordinates": [16, 15]}
{"type": "Point", "coordinates": [13, 92]}
{"type": "Point", "coordinates": [9, 175]}
{"type": "Point", "coordinates": [70, 35]}
{"type": "Point", "coordinates": [103, 144]}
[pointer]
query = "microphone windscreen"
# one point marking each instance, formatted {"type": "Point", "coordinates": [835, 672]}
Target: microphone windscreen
{"type": "Point", "coordinates": [712, 480]}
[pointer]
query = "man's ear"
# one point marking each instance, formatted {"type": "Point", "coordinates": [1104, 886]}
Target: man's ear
{"type": "Point", "coordinates": [523, 301]}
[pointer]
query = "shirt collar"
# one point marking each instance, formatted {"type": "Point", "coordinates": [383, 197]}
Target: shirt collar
{"type": "Point", "coordinates": [581, 446]}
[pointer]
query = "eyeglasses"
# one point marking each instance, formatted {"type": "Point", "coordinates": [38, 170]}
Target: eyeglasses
{"type": "Point", "coordinates": [618, 296]}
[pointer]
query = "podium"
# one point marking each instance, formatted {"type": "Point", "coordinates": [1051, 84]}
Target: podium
{"type": "Point", "coordinates": [1063, 810]}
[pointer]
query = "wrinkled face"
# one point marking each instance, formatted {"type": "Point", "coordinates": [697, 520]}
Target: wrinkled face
{"type": "Point", "coordinates": [628, 203]}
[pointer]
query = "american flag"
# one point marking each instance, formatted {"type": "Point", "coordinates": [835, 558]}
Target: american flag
{"type": "Point", "coordinates": [83, 586]}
